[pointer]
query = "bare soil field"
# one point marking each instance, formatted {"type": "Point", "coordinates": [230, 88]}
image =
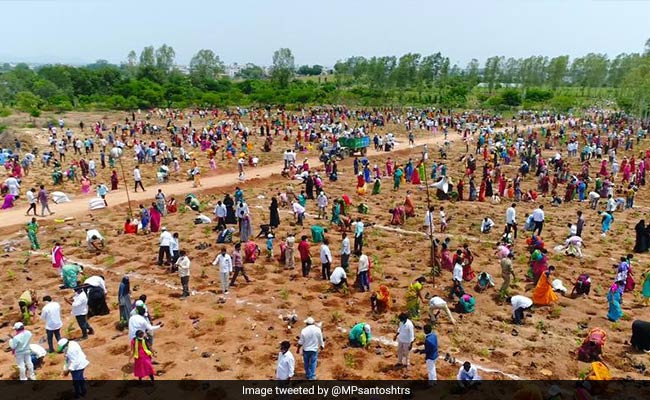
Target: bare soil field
{"type": "Point", "coordinates": [209, 336]}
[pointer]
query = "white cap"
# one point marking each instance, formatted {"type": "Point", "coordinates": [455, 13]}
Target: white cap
{"type": "Point", "coordinates": [18, 325]}
{"type": "Point", "coordinates": [366, 328]}
{"type": "Point", "coordinates": [164, 228]}
{"type": "Point", "coordinates": [139, 303]}
{"type": "Point", "coordinates": [309, 321]}
{"type": "Point", "coordinates": [270, 235]}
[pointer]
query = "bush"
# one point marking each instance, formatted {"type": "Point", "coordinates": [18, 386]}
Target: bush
{"type": "Point", "coordinates": [563, 103]}
{"type": "Point", "coordinates": [537, 95]}
{"type": "Point", "coordinates": [511, 97]}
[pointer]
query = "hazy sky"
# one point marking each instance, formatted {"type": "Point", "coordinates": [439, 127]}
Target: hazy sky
{"type": "Point", "coordinates": [321, 31]}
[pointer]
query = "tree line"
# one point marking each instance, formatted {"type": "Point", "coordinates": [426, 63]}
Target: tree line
{"type": "Point", "coordinates": [152, 79]}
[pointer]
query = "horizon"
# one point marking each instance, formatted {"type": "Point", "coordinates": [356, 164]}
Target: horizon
{"type": "Point", "coordinates": [53, 34]}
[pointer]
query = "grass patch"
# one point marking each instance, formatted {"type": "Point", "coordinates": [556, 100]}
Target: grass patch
{"type": "Point", "coordinates": [11, 275]}
{"type": "Point", "coordinates": [110, 260]}
{"type": "Point", "coordinates": [484, 353]}
{"type": "Point", "coordinates": [157, 310]}
{"type": "Point", "coordinates": [220, 320]}
{"type": "Point", "coordinates": [336, 317]}
{"type": "Point", "coordinates": [284, 294]}
{"type": "Point", "coordinates": [349, 360]}
{"type": "Point", "coordinates": [556, 312]}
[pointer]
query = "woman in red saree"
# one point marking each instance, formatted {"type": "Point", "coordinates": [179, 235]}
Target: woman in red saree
{"type": "Point", "coordinates": [398, 216]}
{"type": "Point", "coordinates": [481, 192]}
{"type": "Point", "coordinates": [468, 258]}
{"type": "Point", "coordinates": [155, 218]}
{"type": "Point", "coordinates": [415, 178]}
{"type": "Point", "coordinates": [171, 205]}
{"type": "Point", "coordinates": [459, 189]}
{"type": "Point", "coordinates": [409, 209]}
{"type": "Point", "coordinates": [502, 185]}
{"type": "Point", "coordinates": [114, 180]}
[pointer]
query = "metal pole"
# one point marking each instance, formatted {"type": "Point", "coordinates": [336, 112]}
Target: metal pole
{"type": "Point", "coordinates": [126, 186]}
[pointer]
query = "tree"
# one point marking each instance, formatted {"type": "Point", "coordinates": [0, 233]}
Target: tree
{"type": "Point", "coordinates": [132, 59]}
{"type": "Point", "coordinates": [165, 58]}
{"type": "Point", "coordinates": [147, 57]}
{"type": "Point", "coordinates": [492, 71]}
{"type": "Point", "coordinates": [283, 67]}
{"type": "Point", "coordinates": [205, 65]}
{"type": "Point", "coordinates": [646, 51]}
{"type": "Point", "coordinates": [557, 70]}
{"type": "Point", "coordinates": [636, 98]}
{"type": "Point", "coordinates": [28, 102]}
{"type": "Point", "coordinates": [251, 71]}
{"type": "Point", "coordinates": [472, 72]}
{"type": "Point", "coordinates": [511, 97]}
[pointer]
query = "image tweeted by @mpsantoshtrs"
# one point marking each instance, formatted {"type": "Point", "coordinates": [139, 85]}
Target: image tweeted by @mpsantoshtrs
{"type": "Point", "coordinates": [322, 391]}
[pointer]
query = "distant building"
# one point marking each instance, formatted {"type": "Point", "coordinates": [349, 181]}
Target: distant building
{"type": "Point", "coordinates": [499, 85]}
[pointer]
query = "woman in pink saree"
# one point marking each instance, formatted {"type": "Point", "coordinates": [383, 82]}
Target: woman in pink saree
{"type": "Point", "coordinates": [9, 201]}
{"type": "Point", "coordinates": [57, 257]}
{"type": "Point", "coordinates": [155, 218]}
{"type": "Point", "coordinates": [85, 185]}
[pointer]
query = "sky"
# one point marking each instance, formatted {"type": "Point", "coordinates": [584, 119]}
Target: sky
{"type": "Point", "coordinates": [318, 32]}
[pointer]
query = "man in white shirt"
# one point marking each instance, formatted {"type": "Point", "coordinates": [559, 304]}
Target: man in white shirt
{"type": "Point", "coordinates": [362, 273]}
{"type": "Point", "coordinates": [96, 281]}
{"type": "Point", "coordinates": [435, 305]}
{"type": "Point", "coordinates": [338, 278]}
{"type": "Point", "coordinates": [428, 221]}
{"type": "Point", "coordinates": [19, 344]}
{"type": "Point", "coordinates": [137, 177]}
{"type": "Point", "coordinates": [165, 247]}
{"type": "Point", "coordinates": [298, 212]}
{"type": "Point", "coordinates": [311, 340]}
{"type": "Point", "coordinates": [467, 375]}
{"type": "Point", "coordinates": [286, 363]}
{"type": "Point", "coordinates": [225, 268]}
{"type": "Point", "coordinates": [183, 265]}
{"type": "Point", "coordinates": [31, 199]}
{"type": "Point", "coordinates": [174, 247]}
{"type": "Point", "coordinates": [75, 363]}
{"type": "Point", "coordinates": [611, 204]}
{"type": "Point", "coordinates": [138, 322]}
{"type": "Point", "coordinates": [51, 314]}
{"type": "Point", "coordinates": [325, 259]}
{"type": "Point", "coordinates": [345, 251]}
{"type": "Point", "coordinates": [220, 212]}
{"type": "Point", "coordinates": [538, 220]}
{"type": "Point", "coordinates": [487, 225]}
{"type": "Point", "coordinates": [405, 336]}
{"type": "Point", "coordinates": [79, 305]}
{"type": "Point", "coordinates": [457, 278]}
{"type": "Point", "coordinates": [511, 219]}
{"type": "Point", "coordinates": [94, 239]}
{"type": "Point", "coordinates": [519, 305]}
{"type": "Point", "coordinates": [322, 202]}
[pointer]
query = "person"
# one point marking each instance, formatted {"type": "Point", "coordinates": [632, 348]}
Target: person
{"type": "Point", "coordinates": [414, 297]}
{"type": "Point", "coordinates": [299, 212]}
{"type": "Point", "coordinates": [428, 221]}
{"type": "Point", "coordinates": [519, 305]}
{"type": "Point", "coordinates": [436, 304]}
{"type": "Point", "coordinates": [70, 272]}
{"type": "Point", "coordinates": [380, 299]}
{"type": "Point", "coordinates": [251, 252]}
{"type": "Point", "coordinates": [183, 266]}
{"type": "Point", "coordinates": [468, 258]}
{"type": "Point", "coordinates": [274, 217]}
{"type": "Point", "coordinates": [137, 177]}
{"type": "Point", "coordinates": [102, 191]}
{"type": "Point", "coordinates": [467, 375]}
{"type": "Point", "coordinates": [606, 222]}
{"type": "Point", "coordinates": [345, 251]}
{"type": "Point", "coordinates": [27, 303]}
{"type": "Point", "coordinates": [174, 248]}
{"type": "Point", "coordinates": [591, 348]}
{"type": "Point", "coordinates": [37, 354]}
{"type": "Point", "coordinates": [645, 287]}
{"type": "Point", "coordinates": [430, 352]}
{"type": "Point", "coordinates": [31, 199]}
{"type": "Point", "coordinates": [139, 321]}
{"type": "Point", "coordinates": [124, 299]}
{"type": "Point", "coordinates": [614, 299]}
{"type": "Point", "coordinates": [154, 218]}
{"type": "Point", "coordinates": [114, 180]}
{"type": "Point", "coordinates": [363, 273]}
{"type": "Point", "coordinates": [325, 259]}
{"type": "Point", "coordinates": [580, 224]}
{"type": "Point", "coordinates": [19, 344]}
{"type": "Point", "coordinates": [360, 335]}
{"type": "Point", "coordinates": [405, 336]}
{"type": "Point", "coordinates": [79, 305]}
{"type": "Point", "coordinates": [225, 268]}
{"type": "Point", "coordinates": [305, 256]}
{"type": "Point", "coordinates": [457, 280]}
{"type": "Point", "coordinates": [582, 286]}
{"type": "Point", "coordinates": [487, 225]}
{"type": "Point", "coordinates": [75, 363]}
{"type": "Point", "coordinates": [641, 335]}
{"type": "Point", "coordinates": [642, 243]}
{"type": "Point", "coordinates": [322, 202]}
{"type": "Point", "coordinates": [538, 219]}
{"type": "Point", "coordinates": [129, 227]}
{"type": "Point", "coordinates": [32, 234]}
{"type": "Point", "coordinates": [165, 242]}
{"type": "Point", "coordinates": [142, 365]}
{"type": "Point", "coordinates": [543, 293]}
{"type": "Point", "coordinates": [311, 340]}
{"type": "Point", "coordinates": [339, 278]}
{"type": "Point", "coordinates": [43, 199]}
{"type": "Point", "coordinates": [317, 233]}
{"type": "Point", "coordinates": [511, 220]}
{"type": "Point", "coordinates": [96, 291]}
{"type": "Point", "coordinates": [466, 304]}
{"type": "Point", "coordinates": [289, 260]}
{"type": "Point", "coordinates": [94, 240]}
{"type": "Point", "coordinates": [358, 237]}
{"type": "Point", "coordinates": [286, 366]}
{"type": "Point", "coordinates": [51, 314]}
{"type": "Point", "coordinates": [507, 272]}
{"type": "Point", "coordinates": [57, 257]}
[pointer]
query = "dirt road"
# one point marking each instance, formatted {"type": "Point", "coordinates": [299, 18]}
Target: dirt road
{"type": "Point", "coordinates": [79, 205]}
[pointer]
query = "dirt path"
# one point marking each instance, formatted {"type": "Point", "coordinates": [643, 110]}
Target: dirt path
{"type": "Point", "coordinates": [79, 205]}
